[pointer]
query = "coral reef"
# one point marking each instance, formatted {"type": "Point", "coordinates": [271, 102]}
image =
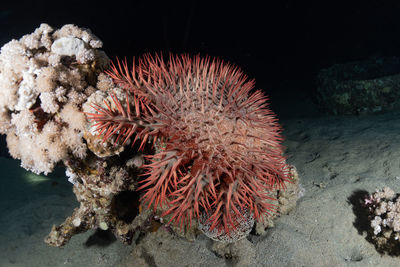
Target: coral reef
{"type": "Point", "coordinates": [384, 208]}
{"type": "Point", "coordinates": [106, 192]}
{"type": "Point", "coordinates": [46, 78]}
{"type": "Point", "coordinates": [186, 144]}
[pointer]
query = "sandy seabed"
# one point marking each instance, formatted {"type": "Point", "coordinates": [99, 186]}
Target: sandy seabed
{"type": "Point", "coordinates": [339, 159]}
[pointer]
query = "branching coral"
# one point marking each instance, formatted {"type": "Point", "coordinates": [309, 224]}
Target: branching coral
{"type": "Point", "coordinates": [44, 79]}
{"type": "Point", "coordinates": [384, 208]}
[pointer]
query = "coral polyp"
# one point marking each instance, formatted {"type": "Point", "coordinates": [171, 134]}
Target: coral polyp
{"type": "Point", "coordinates": [217, 144]}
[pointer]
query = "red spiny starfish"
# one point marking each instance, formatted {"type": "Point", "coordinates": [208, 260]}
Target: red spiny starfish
{"type": "Point", "coordinates": [221, 151]}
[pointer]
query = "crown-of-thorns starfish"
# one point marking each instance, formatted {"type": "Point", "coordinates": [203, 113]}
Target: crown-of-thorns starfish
{"type": "Point", "coordinates": [220, 144]}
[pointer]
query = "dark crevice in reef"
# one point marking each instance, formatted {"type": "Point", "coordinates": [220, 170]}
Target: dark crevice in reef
{"type": "Point", "coordinates": [125, 206]}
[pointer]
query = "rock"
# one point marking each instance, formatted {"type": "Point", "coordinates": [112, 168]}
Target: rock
{"type": "Point", "coordinates": [360, 87]}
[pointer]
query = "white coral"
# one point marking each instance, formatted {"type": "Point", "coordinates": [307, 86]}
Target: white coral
{"type": "Point", "coordinates": [48, 102]}
{"type": "Point", "coordinates": [67, 46]}
{"type": "Point", "coordinates": [385, 214]}
{"type": "Point", "coordinates": [72, 46]}
{"type": "Point", "coordinates": [41, 94]}
{"type": "Point", "coordinates": [27, 93]}
{"type": "Point", "coordinates": [39, 38]}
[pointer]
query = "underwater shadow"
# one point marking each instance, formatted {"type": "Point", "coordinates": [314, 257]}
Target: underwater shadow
{"type": "Point", "coordinates": [100, 238]}
{"type": "Point", "coordinates": [361, 222]}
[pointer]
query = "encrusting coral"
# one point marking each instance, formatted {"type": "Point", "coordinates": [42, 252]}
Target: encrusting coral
{"type": "Point", "coordinates": [181, 143]}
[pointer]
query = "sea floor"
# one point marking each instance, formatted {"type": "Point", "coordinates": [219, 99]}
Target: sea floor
{"type": "Point", "coordinates": [338, 158]}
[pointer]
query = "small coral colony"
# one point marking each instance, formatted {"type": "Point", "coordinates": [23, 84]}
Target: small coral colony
{"type": "Point", "coordinates": [185, 143]}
